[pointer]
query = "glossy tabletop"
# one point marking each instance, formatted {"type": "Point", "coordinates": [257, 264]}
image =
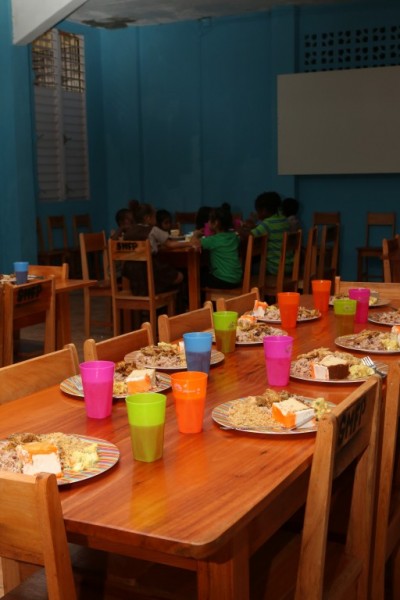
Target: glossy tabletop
{"type": "Point", "coordinates": [214, 497]}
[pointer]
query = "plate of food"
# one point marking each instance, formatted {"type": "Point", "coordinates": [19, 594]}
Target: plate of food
{"type": "Point", "coordinates": [127, 380]}
{"type": "Point", "coordinates": [323, 365]}
{"type": "Point", "coordinates": [372, 341]}
{"type": "Point", "coordinates": [250, 331]}
{"type": "Point", "coordinates": [389, 317]}
{"type": "Point", "coordinates": [166, 357]}
{"type": "Point", "coordinates": [374, 301]}
{"type": "Point", "coordinates": [71, 457]}
{"type": "Point", "coordinates": [271, 313]}
{"type": "Point", "coordinates": [273, 412]}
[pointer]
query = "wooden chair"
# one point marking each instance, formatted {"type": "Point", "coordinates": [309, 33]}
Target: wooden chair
{"type": "Point", "coordinates": [310, 567]}
{"type": "Point", "coordinates": [328, 252]}
{"type": "Point", "coordinates": [386, 542]}
{"type": "Point", "coordinates": [56, 271]}
{"type": "Point", "coordinates": [256, 249]}
{"type": "Point", "coordinates": [326, 218]}
{"type": "Point", "coordinates": [376, 221]}
{"type": "Point", "coordinates": [391, 259]}
{"type": "Point", "coordinates": [80, 224]}
{"type": "Point", "coordinates": [282, 282]}
{"type": "Point", "coordinates": [171, 329]}
{"type": "Point", "coordinates": [32, 531]}
{"type": "Point", "coordinates": [57, 238]}
{"type": "Point", "coordinates": [240, 304]}
{"type": "Point", "coordinates": [95, 265]}
{"type": "Point", "coordinates": [123, 299]}
{"type": "Point", "coordinates": [29, 376]}
{"type": "Point", "coordinates": [117, 347]}
{"type": "Point", "coordinates": [391, 291]}
{"type": "Point", "coordinates": [25, 305]}
{"type": "Point", "coordinates": [310, 261]}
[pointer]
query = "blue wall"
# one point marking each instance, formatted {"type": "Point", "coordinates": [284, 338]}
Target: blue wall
{"type": "Point", "coordinates": [182, 115]}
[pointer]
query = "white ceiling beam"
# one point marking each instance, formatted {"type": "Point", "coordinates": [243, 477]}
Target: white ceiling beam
{"type": "Point", "coordinates": [33, 17]}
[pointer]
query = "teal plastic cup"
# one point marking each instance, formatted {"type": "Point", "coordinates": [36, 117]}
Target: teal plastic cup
{"type": "Point", "coordinates": [146, 417]}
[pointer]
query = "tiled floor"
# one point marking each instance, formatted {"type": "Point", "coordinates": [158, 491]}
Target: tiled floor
{"type": "Point", "coordinates": [101, 310]}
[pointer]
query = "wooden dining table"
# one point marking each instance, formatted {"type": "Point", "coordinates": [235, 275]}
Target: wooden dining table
{"type": "Point", "coordinates": [215, 497]}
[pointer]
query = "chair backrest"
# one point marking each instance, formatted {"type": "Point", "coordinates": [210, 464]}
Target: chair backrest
{"type": "Point", "coordinates": [94, 256]}
{"type": "Point", "coordinates": [40, 236]}
{"type": "Point", "coordinates": [390, 291]}
{"type": "Point", "coordinates": [387, 507]}
{"type": "Point", "coordinates": [121, 251]}
{"type": "Point", "coordinates": [57, 271]}
{"type": "Point", "coordinates": [81, 224]}
{"type": "Point", "coordinates": [328, 256]}
{"type": "Point", "coordinates": [171, 329]}
{"type": "Point", "coordinates": [239, 304]}
{"type": "Point", "coordinates": [346, 437]}
{"type": "Point", "coordinates": [25, 305]}
{"type": "Point", "coordinates": [379, 220]}
{"type": "Point", "coordinates": [256, 249]}
{"type": "Point", "coordinates": [33, 531]}
{"type": "Point", "coordinates": [310, 260]}
{"type": "Point", "coordinates": [326, 218]}
{"type": "Point", "coordinates": [57, 231]}
{"type": "Point", "coordinates": [291, 244]}
{"type": "Point", "coordinates": [391, 259]}
{"type": "Point", "coordinates": [116, 348]}
{"type": "Point", "coordinates": [37, 373]}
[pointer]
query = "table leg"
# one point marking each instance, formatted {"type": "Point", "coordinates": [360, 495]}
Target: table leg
{"type": "Point", "coordinates": [193, 261]}
{"type": "Point", "coordinates": [63, 320]}
{"type": "Point", "coordinates": [226, 576]}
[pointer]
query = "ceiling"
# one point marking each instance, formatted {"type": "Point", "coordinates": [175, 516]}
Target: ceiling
{"type": "Point", "coordinates": [115, 14]}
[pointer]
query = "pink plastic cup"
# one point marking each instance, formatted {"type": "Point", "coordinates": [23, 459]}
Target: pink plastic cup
{"type": "Point", "coordinates": [278, 355]}
{"type": "Point", "coordinates": [97, 382]}
{"type": "Point", "coordinates": [362, 296]}
{"type": "Point", "coordinates": [321, 289]}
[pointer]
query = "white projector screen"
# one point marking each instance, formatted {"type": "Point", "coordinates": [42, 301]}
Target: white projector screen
{"type": "Point", "coordinates": [339, 122]}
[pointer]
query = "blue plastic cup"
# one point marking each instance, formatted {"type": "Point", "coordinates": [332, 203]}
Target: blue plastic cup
{"type": "Point", "coordinates": [198, 350]}
{"type": "Point", "coordinates": [21, 271]}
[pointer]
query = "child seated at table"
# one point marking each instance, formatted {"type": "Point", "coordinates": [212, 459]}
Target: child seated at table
{"type": "Point", "coordinates": [225, 270]}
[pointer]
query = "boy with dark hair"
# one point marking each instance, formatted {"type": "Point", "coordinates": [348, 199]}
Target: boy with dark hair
{"type": "Point", "coordinates": [274, 224]}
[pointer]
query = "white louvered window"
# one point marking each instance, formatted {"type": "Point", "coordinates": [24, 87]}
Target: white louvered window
{"type": "Point", "coordinates": [60, 116]}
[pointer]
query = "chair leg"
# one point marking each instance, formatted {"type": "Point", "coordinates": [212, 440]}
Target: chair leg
{"type": "Point", "coordinates": [86, 308]}
{"type": "Point", "coordinates": [395, 572]}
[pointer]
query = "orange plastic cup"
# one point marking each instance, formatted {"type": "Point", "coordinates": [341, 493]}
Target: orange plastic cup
{"type": "Point", "coordinates": [321, 289]}
{"type": "Point", "coordinates": [189, 389]}
{"type": "Point", "coordinates": [288, 303]}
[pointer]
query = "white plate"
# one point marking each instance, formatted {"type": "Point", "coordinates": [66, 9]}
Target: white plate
{"type": "Point", "coordinates": [379, 302]}
{"type": "Point", "coordinates": [381, 366]}
{"type": "Point", "coordinates": [347, 342]}
{"type": "Point", "coordinates": [108, 457]}
{"type": "Point", "coordinates": [216, 358]}
{"type": "Point", "coordinates": [220, 416]}
{"type": "Point", "coordinates": [271, 331]}
{"type": "Point", "coordinates": [376, 318]}
{"type": "Point", "coordinates": [73, 386]}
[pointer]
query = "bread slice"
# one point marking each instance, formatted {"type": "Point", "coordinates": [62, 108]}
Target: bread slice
{"type": "Point", "coordinates": [291, 412]}
{"type": "Point", "coordinates": [39, 457]}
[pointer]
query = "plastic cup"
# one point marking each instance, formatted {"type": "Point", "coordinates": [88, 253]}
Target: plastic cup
{"type": "Point", "coordinates": [21, 271]}
{"type": "Point", "coordinates": [362, 296]}
{"type": "Point", "coordinates": [288, 303]}
{"type": "Point", "coordinates": [198, 350]}
{"type": "Point", "coordinates": [345, 311]}
{"type": "Point", "coordinates": [278, 355]}
{"type": "Point", "coordinates": [189, 389]}
{"type": "Point", "coordinates": [225, 323]}
{"type": "Point", "coordinates": [146, 417]}
{"type": "Point", "coordinates": [97, 382]}
{"type": "Point", "coordinates": [321, 289]}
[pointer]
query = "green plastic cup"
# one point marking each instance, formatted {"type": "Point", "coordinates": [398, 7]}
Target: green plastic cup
{"type": "Point", "coordinates": [345, 311]}
{"type": "Point", "coordinates": [146, 417]}
{"type": "Point", "coordinates": [225, 323]}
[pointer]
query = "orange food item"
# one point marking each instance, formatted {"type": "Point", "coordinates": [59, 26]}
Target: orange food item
{"type": "Point", "coordinates": [39, 456]}
{"type": "Point", "coordinates": [140, 380]}
{"type": "Point", "coordinates": [291, 412]}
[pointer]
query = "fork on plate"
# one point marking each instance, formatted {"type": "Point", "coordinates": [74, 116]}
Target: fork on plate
{"type": "Point", "coordinates": [367, 360]}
